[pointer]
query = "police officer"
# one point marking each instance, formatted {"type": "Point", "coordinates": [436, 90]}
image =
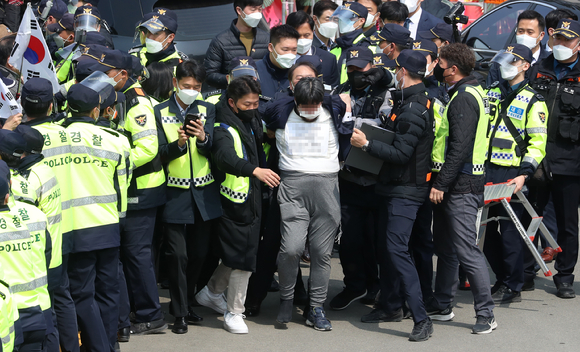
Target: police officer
{"type": "Point", "coordinates": [37, 101]}
{"type": "Point", "coordinates": [556, 78]}
{"type": "Point", "coordinates": [16, 256]}
{"type": "Point", "coordinates": [351, 17]}
{"type": "Point", "coordinates": [146, 192]}
{"type": "Point", "coordinates": [157, 33]}
{"type": "Point", "coordinates": [392, 40]}
{"type": "Point", "coordinates": [93, 262]}
{"type": "Point", "coordinates": [458, 189]}
{"type": "Point", "coordinates": [239, 66]}
{"type": "Point", "coordinates": [105, 29]}
{"type": "Point", "coordinates": [192, 192]}
{"type": "Point", "coordinates": [88, 18]}
{"type": "Point", "coordinates": [514, 158]}
{"type": "Point", "coordinates": [403, 186]}
{"type": "Point", "coordinates": [441, 35]}
{"type": "Point", "coordinates": [8, 312]}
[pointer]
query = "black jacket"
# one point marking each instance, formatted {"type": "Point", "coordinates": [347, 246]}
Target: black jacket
{"type": "Point", "coordinates": [239, 227]}
{"type": "Point", "coordinates": [463, 117]}
{"type": "Point", "coordinates": [408, 160]}
{"type": "Point", "coordinates": [272, 78]}
{"type": "Point", "coordinates": [563, 101]}
{"type": "Point", "coordinates": [330, 72]}
{"type": "Point", "coordinates": [226, 46]}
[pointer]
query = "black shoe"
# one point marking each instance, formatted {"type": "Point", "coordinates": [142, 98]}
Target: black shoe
{"type": "Point", "coordinates": [123, 335]}
{"type": "Point", "coordinates": [484, 325]}
{"type": "Point", "coordinates": [180, 326]}
{"type": "Point", "coordinates": [274, 286]}
{"type": "Point", "coordinates": [495, 287]}
{"type": "Point", "coordinates": [506, 295]}
{"type": "Point", "coordinates": [345, 298]}
{"type": "Point", "coordinates": [422, 330]}
{"type": "Point", "coordinates": [193, 318]}
{"type": "Point", "coordinates": [529, 286]}
{"type": "Point", "coordinates": [151, 327]}
{"type": "Point", "coordinates": [439, 314]}
{"type": "Point", "coordinates": [371, 296]}
{"type": "Point", "coordinates": [252, 311]}
{"type": "Point", "coordinates": [378, 315]}
{"type": "Point", "coordinates": [565, 290]}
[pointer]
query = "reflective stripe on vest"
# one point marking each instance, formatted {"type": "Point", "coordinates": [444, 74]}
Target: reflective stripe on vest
{"type": "Point", "coordinates": [180, 169]}
{"type": "Point", "coordinates": [235, 188]}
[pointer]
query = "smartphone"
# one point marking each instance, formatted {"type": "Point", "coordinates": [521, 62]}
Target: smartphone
{"type": "Point", "coordinates": [190, 117]}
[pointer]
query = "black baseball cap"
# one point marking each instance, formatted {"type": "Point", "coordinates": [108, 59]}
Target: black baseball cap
{"type": "Point", "coordinates": [67, 22]}
{"type": "Point", "coordinates": [314, 60]}
{"type": "Point", "coordinates": [34, 139]}
{"type": "Point", "coordinates": [12, 143]}
{"type": "Point", "coordinates": [112, 99]}
{"type": "Point", "coordinates": [425, 46]}
{"type": "Point", "coordinates": [111, 59]}
{"type": "Point", "coordinates": [358, 56]}
{"type": "Point", "coordinates": [520, 52]}
{"type": "Point", "coordinates": [4, 178]}
{"type": "Point", "coordinates": [37, 90]}
{"type": "Point", "coordinates": [160, 19]}
{"type": "Point", "coordinates": [441, 31]}
{"type": "Point", "coordinates": [82, 99]}
{"type": "Point", "coordinates": [380, 59]}
{"type": "Point", "coordinates": [95, 38]}
{"type": "Point", "coordinates": [395, 34]}
{"type": "Point", "coordinates": [57, 10]}
{"type": "Point", "coordinates": [88, 10]}
{"type": "Point", "coordinates": [358, 9]}
{"type": "Point", "coordinates": [412, 60]}
{"type": "Point", "coordinates": [568, 28]}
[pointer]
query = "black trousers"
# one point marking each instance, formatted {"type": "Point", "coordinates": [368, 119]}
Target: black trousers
{"type": "Point", "coordinates": [421, 248]}
{"type": "Point", "coordinates": [186, 249]}
{"type": "Point", "coordinates": [33, 341]}
{"type": "Point", "coordinates": [94, 287]}
{"type": "Point", "coordinates": [66, 316]}
{"type": "Point", "coordinates": [139, 275]}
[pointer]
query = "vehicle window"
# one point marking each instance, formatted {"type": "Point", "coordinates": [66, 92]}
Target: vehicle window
{"type": "Point", "coordinates": [493, 31]}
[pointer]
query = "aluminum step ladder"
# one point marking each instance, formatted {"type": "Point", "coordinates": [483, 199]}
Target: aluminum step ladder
{"type": "Point", "coordinates": [502, 193]}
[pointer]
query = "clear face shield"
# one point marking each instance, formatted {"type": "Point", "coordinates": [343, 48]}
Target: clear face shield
{"type": "Point", "coordinates": [100, 83]}
{"type": "Point", "coordinates": [244, 71]}
{"type": "Point", "coordinates": [345, 19]}
{"type": "Point", "coordinates": [87, 22]}
{"type": "Point", "coordinates": [504, 58]}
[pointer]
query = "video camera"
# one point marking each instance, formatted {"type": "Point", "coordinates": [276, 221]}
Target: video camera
{"type": "Point", "coordinates": [454, 17]}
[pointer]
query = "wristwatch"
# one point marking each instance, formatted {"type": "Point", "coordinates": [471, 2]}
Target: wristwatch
{"type": "Point", "coordinates": [365, 147]}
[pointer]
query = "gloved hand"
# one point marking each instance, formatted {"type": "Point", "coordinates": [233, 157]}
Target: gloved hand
{"type": "Point", "coordinates": [373, 75]}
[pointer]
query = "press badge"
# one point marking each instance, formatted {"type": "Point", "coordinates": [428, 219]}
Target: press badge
{"type": "Point", "coordinates": [307, 139]}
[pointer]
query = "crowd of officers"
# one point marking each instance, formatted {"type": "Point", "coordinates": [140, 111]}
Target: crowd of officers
{"type": "Point", "coordinates": [129, 168]}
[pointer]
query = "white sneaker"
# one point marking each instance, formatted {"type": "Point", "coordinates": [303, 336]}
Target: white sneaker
{"type": "Point", "coordinates": [234, 323]}
{"type": "Point", "coordinates": [211, 300]}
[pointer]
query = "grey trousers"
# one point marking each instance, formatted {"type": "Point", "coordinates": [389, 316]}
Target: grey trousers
{"type": "Point", "coordinates": [454, 236]}
{"type": "Point", "coordinates": [236, 281]}
{"type": "Point", "coordinates": [309, 208]}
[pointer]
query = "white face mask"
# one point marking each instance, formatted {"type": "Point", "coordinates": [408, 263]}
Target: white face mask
{"type": "Point", "coordinates": [509, 72]}
{"type": "Point", "coordinates": [187, 96]}
{"type": "Point", "coordinates": [428, 71]}
{"type": "Point", "coordinates": [154, 46]}
{"type": "Point", "coordinates": [378, 50]}
{"type": "Point", "coordinates": [370, 20]}
{"type": "Point", "coordinates": [328, 29]}
{"type": "Point", "coordinates": [562, 52]}
{"type": "Point", "coordinates": [286, 60]}
{"type": "Point", "coordinates": [304, 46]}
{"type": "Point", "coordinates": [526, 40]}
{"type": "Point", "coordinates": [411, 5]}
{"type": "Point", "coordinates": [345, 26]}
{"type": "Point", "coordinates": [112, 80]}
{"type": "Point", "coordinates": [399, 84]}
{"type": "Point", "coordinates": [310, 115]}
{"type": "Point", "coordinates": [252, 19]}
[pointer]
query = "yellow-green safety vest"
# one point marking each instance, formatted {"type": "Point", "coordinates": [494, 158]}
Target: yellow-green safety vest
{"type": "Point", "coordinates": [191, 166]}
{"type": "Point", "coordinates": [235, 188]}
{"type": "Point", "coordinates": [174, 59]}
{"type": "Point", "coordinates": [529, 116]}
{"type": "Point", "coordinates": [8, 314]}
{"type": "Point", "coordinates": [441, 128]}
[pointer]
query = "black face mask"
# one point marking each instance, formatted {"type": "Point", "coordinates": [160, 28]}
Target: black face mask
{"type": "Point", "coordinates": [438, 72]}
{"type": "Point", "coordinates": [248, 115]}
{"type": "Point", "coordinates": [356, 80]}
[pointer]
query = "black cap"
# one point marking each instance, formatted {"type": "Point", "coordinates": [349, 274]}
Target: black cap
{"type": "Point", "coordinates": [93, 51]}
{"type": "Point", "coordinates": [88, 10]}
{"type": "Point", "coordinates": [84, 68]}
{"type": "Point", "coordinates": [568, 28]}
{"type": "Point", "coordinates": [358, 56]}
{"type": "Point", "coordinates": [425, 46]}
{"type": "Point", "coordinates": [12, 143]}
{"type": "Point", "coordinates": [37, 90]}
{"type": "Point", "coordinates": [395, 34]}
{"type": "Point", "coordinates": [411, 60]}
{"type": "Point", "coordinates": [241, 61]}
{"type": "Point", "coordinates": [4, 179]}
{"type": "Point", "coordinates": [111, 59]}
{"type": "Point", "coordinates": [521, 52]}
{"type": "Point", "coordinates": [379, 60]}
{"type": "Point", "coordinates": [160, 18]}
{"type": "Point", "coordinates": [441, 31]}
{"type": "Point", "coordinates": [82, 99]}
{"type": "Point", "coordinates": [314, 60]}
{"type": "Point", "coordinates": [359, 9]}
{"type": "Point", "coordinates": [34, 139]}
{"type": "Point", "coordinates": [112, 99]}
{"type": "Point", "coordinates": [65, 23]}
{"type": "Point", "coordinates": [57, 10]}
{"type": "Point", "coordinates": [95, 38]}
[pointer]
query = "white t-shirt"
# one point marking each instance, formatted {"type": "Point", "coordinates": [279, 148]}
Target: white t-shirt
{"type": "Point", "coordinates": [309, 147]}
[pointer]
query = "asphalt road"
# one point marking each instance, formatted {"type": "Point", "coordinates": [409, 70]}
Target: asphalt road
{"type": "Point", "coordinates": [541, 321]}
